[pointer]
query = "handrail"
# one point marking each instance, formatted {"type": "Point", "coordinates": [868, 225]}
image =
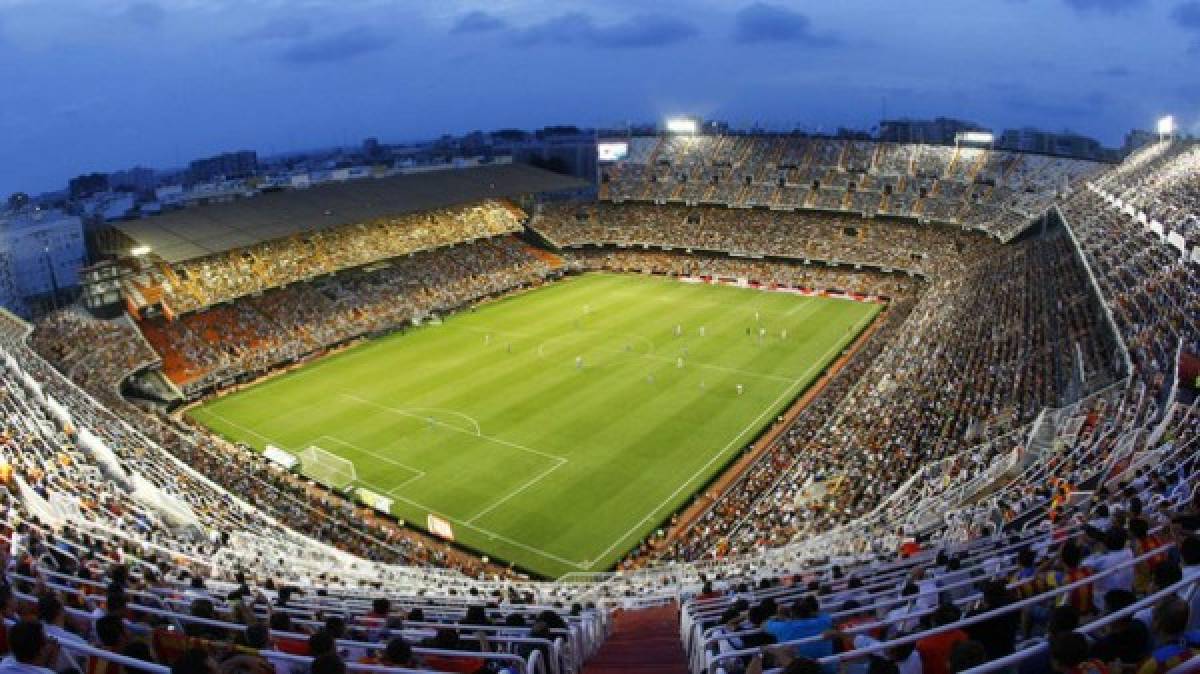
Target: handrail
{"type": "Point", "coordinates": [1104, 621]}
{"type": "Point", "coordinates": [963, 622]}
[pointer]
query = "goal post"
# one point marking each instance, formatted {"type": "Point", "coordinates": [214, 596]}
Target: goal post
{"type": "Point", "coordinates": [327, 468]}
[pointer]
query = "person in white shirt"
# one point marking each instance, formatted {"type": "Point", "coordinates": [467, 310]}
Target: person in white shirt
{"type": "Point", "coordinates": [32, 651]}
{"type": "Point", "coordinates": [1100, 519]}
{"type": "Point", "coordinates": [1116, 554]}
{"type": "Point", "coordinates": [906, 657]}
{"type": "Point", "coordinates": [54, 618]}
{"type": "Point", "coordinates": [897, 618]}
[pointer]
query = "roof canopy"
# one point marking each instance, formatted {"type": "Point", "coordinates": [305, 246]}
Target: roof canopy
{"type": "Point", "coordinates": [215, 228]}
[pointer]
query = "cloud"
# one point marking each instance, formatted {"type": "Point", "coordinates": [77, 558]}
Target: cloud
{"type": "Point", "coordinates": [282, 28]}
{"type": "Point", "coordinates": [1187, 16]}
{"type": "Point", "coordinates": [1105, 6]}
{"type": "Point", "coordinates": [341, 46]}
{"type": "Point", "coordinates": [763, 22]}
{"type": "Point", "coordinates": [477, 21]}
{"type": "Point", "coordinates": [1113, 71]}
{"type": "Point", "coordinates": [637, 32]}
{"type": "Point", "coordinates": [1020, 96]}
{"type": "Point", "coordinates": [145, 14]}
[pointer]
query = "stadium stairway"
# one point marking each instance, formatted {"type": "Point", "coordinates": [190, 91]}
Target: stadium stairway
{"type": "Point", "coordinates": [644, 641]}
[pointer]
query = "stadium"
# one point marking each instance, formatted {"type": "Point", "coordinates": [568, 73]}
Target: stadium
{"type": "Point", "coordinates": [720, 401]}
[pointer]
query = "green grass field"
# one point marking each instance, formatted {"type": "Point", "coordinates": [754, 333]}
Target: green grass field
{"type": "Point", "coordinates": [488, 421]}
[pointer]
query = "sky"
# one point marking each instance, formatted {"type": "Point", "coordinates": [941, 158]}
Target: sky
{"type": "Point", "coordinates": [103, 85]}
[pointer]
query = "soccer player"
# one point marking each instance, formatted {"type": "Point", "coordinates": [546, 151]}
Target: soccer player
{"type": "Point", "coordinates": [783, 333]}
{"type": "Point", "coordinates": [508, 348]}
{"type": "Point", "coordinates": [679, 363]}
{"type": "Point", "coordinates": [756, 317]}
{"type": "Point", "coordinates": [701, 330]}
{"type": "Point", "coordinates": [739, 389]}
{"type": "Point", "coordinates": [678, 330]}
{"type": "Point", "coordinates": [578, 362]}
{"type": "Point", "coordinates": [487, 339]}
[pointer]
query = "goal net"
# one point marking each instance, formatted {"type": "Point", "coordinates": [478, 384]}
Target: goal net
{"type": "Point", "coordinates": [327, 468]}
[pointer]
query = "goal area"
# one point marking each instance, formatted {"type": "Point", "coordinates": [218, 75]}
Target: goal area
{"type": "Point", "coordinates": [327, 468]}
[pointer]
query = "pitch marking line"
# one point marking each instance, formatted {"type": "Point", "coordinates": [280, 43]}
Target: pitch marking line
{"type": "Point", "coordinates": [419, 473]}
{"type": "Point", "coordinates": [235, 424]}
{"type": "Point", "coordinates": [803, 308]}
{"type": "Point", "coordinates": [582, 566]}
{"type": "Point", "coordinates": [818, 363]}
{"type": "Point", "coordinates": [487, 532]}
{"type": "Point", "coordinates": [404, 413]}
{"type": "Point", "coordinates": [536, 478]}
{"type": "Point", "coordinates": [469, 418]}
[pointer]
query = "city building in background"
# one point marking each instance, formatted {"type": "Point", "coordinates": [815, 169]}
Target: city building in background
{"type": "Point", "coordinates": [937, 131]}
{"type": "Point", "coordinates": [227, 165]}
{"type": "Point", "coordinates": [1061, 144]}
{"type": "Point", "coordinates": [43, 252]}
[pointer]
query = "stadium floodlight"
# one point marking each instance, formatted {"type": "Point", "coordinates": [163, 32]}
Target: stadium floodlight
{"type": "Point", "coordinates": [976, 137]}
{"type": "Point", "coordinates": [1166, 125]}
{"type": "Point", "coordinates": [681, 125]}
{"type": "Point", "coordinates": [140, 251]}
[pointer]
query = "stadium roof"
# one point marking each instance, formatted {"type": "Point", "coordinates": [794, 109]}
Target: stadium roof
{"type": "Point", "coordinates": [214, 228]}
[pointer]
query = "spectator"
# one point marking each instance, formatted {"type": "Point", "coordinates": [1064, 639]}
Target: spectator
{"type": "Point", "coordinates": [935, 649]}
{"type": "Point", "coordinates": [33, 651]}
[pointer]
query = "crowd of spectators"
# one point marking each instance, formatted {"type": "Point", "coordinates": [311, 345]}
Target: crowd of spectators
{"type": "Point", "coordinates": [253, 334]}
{"type": "Point", "coordinates": [1151, 288]}
{"type": "Point", "coordinates": [66, 613]}
{"type": "Point", "coordinates": [1161, 181]}
{"type": "Point", "coordinates": [199, 283]}
{"type": "Point", "coordinates": [1110, 588]}
{"type": "Point", "coordinates": [50, 458]}
{"type": "Point", "coordinates": [92, 352]}
{"type": "Point", "coordinates": [812, 278]}
{"type": "Point", "coordinates": [812, 236]}
{"type": "Point", "coordinates": [996, 191]}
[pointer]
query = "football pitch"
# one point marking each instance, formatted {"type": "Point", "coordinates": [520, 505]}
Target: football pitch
{"type": "Point", "coordinates": [555, 428]}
